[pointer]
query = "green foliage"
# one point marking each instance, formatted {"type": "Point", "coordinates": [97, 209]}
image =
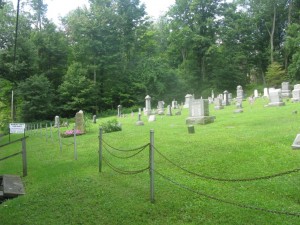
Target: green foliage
{"type": "Point", "coordinates": [275, 75]}
{"type": "Point", "coordinates": [111, 126]}
{"type": "Point", "coordinates": [293, 50]}
{"type": "Point", "coordinates": [77, 91]}
{"type": "Point", "coordinates": [37, 97]}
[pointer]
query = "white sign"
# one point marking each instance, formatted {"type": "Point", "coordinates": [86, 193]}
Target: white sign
{"type": "Point", "coordinates": [17, 128]}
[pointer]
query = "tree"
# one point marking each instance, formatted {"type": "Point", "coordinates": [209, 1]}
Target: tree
{"type": "Point", "coordinates": [37, 96]}
{"type": "Point", "coordinates": [77, 91]}
{"type": "Point", "coordinates": [275, 75]}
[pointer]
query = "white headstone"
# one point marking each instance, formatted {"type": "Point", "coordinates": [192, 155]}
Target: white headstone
{"type": "Point", "coordinates": [199, 112]}
{"type": "Point", "coordinates": [147, 110]}
{"type": "Point", "coordinates": [152, 118]}
{"type": "Point", "coordinates": [188, 99]}
{"type": "Point", "coordinates": [275, 98]}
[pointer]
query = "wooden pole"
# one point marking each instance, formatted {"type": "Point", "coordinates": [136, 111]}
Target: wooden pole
{"type": "Point", "coordinates": [59, 137]}
{"type": "Point", "coordinates": [75, 145]}
{"type": "Point", "coordinates": [151, 166]}
{"type": "Point", "coordinates": [24, 157]}
{"type": "Point", "coordinates": [100, 149]}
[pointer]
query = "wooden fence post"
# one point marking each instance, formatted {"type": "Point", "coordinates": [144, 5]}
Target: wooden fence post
{"type": "Point", "coordinates": [100, 149]}
{"type": "Point", "coordinates": [151, 166]}
{"type": "Point", "coordinates": [24, 157]}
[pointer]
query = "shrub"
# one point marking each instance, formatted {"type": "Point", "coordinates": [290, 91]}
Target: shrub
{"type": "Point", "coordinates": [111, 126]}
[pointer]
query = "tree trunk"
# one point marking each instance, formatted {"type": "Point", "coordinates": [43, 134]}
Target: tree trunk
{"type": "Point", "coordinates": [272, 34]}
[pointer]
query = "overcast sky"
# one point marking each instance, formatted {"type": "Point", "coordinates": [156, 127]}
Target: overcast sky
{"type": "Point", "coordinates": [57, 8]}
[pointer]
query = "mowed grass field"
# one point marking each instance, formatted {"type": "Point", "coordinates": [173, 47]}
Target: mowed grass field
{"type": "Point", "coordinates": [255, 143]}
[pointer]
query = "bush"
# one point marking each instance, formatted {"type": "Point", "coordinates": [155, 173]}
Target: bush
{"type": "Point", "coordinates": [111, 126]}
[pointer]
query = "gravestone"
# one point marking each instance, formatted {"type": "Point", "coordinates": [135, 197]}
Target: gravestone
{"type": "Point", "coordinates": [225, 98]}
{"type": "Point", "coordinates": [174, 104]}
{"type": "Point", "coordinates": [212, 94]}
{"type": "Point", "coordinates": [285, 90]}
{"type": "Point", "coordinates": [56, 121]}
{"type": "Point", "coordinates": [239, 94]}
{"type": "Point", "coordinates": [152, 118]}
{"type": "Point", "coordinates": [79, 121]}
{"type": "Point", "coordinates": [94, 119]}
{"type": "Point", "coordinates": [199, 112]}
{"type": "Point", "coordinates": [147, 110]}
{"type": "Point", "coordinates": [188, 99]}
{"type": "Point", "coordinates": [119, 111]}
{"type": "Point", "coordinates": [255, 93]}
{"type": "Point", "coordinates": [139, 122]}
{"type": "Point", "coordinates": [218, 104]}
{"type": "Point", "coordinates": [296, 143]}
{"type": "Point", "coordinates": [296, 93]}
{"type": "Point", "coordinates": [169, 110]}
{"type": "Point", "coordinates": [229, 98]}
{"type": "Point", "coordinates": [275, 98]}
{"type": "Point", "coordinates": [160, 108]}
{"type": "Point", "coordinates": [266, 92]}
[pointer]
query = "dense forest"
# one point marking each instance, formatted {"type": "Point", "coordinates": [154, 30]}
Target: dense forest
{"type": "Point", "coordinates": [112, 53]}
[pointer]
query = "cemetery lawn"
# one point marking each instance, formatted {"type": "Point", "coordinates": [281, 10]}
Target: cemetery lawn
{"type": "Point", "coordinates": [255, 143]}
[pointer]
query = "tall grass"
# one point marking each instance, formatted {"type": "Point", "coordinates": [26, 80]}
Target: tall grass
{"type": "Point", "coordinates": [61, 190]}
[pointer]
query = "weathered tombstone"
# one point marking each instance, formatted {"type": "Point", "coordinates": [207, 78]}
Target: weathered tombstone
{"type": "Point", "coordinates": [79, 121]}
{"type": "Point", "coordinates": [296, 93]}
{"type": "Point", "coordinates": [296, 143]}
{"type": "Point", "coordinates": [147, 110]}
{"type": "Point", "coordinates": [169, 110]}
{"type": "Point", "coordinates": [239, 107]}
{"type": "Point", "coordinates": [94, 119]}
{"type": "Point", "coordinates": [285, 90]}
{"type": "Point", "coordinates": [199, 112]}
{"type": "Point", "coordinates": [239, 94]}
{"type": "Point", "coordinates": [255, 93]}
{"type": "Point", "coordinates": [225, 98]}
{"type": "Point", "coordinates": [160, 108]}
{"type": "Point", "coordinates": [266, 92]}
{"type": "Point", "coordinates": [275, 98]}
{"type": "Point", "coordinates": [212, 94]}
{"type": "Point", "coordinates": [174, 104]}
{"type": "Point", "coordinates": [56, 121]}
{"type": "Point", "coordinates": [188, 99]}
{"type": "Point", "coordinates": [119, 110]}
{"type": "Point", "coordinates": [191, 129]}
{"type": "Point", "coordinates": [139, 122]}
{"type": "Point", "coordinates": [218, 104]}
{"type": "Point", "coordinates": [229, 97]}
{"type": "Point", "coordinates": [152, 118]}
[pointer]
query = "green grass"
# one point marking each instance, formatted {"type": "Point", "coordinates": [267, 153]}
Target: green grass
{"type": "Point", "coordinates": [61, 190]}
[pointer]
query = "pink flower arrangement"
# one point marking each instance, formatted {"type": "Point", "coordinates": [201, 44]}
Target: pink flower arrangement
{"type": "Point", "coordinates": [70, 133]}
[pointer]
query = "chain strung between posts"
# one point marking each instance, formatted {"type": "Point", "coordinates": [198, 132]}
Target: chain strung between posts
{"type": "Point", "coordinates": [228, 180]}
{"type": "Point", "coordinates": [227, 201]}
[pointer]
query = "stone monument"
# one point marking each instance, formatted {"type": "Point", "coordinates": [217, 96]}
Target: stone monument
{"type": "Point", "coordinates": [188, 99]}
{"type": "Point", "coordinates": [147, 110]}
{"type": "Point", "coordinates": [218, 104]}
{"type": "Point", "coordinates": [199, 112]}
{"type": "Point", "coordinates": [160, 108]}
{"type": "Point", "coordinates": [275, 98]}
{"type": "Point", "coordinates": [285, 90]}
{"type": "Point", "coordinates": [296, 93]}
{"type": "Point", "coordinates": [79, 121]}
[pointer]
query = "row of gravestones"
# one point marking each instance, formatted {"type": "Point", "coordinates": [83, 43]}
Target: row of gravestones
{"type": "Point", "coordinates": [198, 108]}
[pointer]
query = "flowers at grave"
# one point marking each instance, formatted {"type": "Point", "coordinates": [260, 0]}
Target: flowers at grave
{"type": "Point", "coordinates": [70, 133]}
